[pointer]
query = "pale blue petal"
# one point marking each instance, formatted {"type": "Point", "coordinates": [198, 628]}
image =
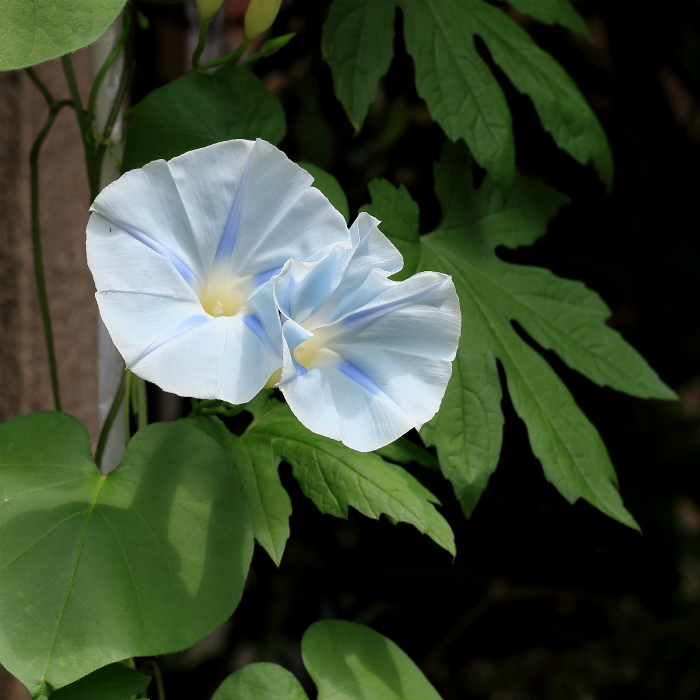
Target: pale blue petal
{"type": "Point", "coordinates": [372, 259]}
{"type": "Point", "coordinates": [139, 322]}
{"type": "Point", "coordinates": [331, 403]}
{"type": "Point", "coordinates": [281, 216]}
{"type": "Point", "coordinates": [394, 359]}
{"type": "Point", "coordinates": [220, 359]}
{"type": "Point", "coordinates": [148, 201]}
{"type": "Point", "coordinates": [262, 318]}
{"type": "Point", "coordinates": [119, 261]}
{"type": "Point", "coordinates": [292, 335]}
{"type": "Point", "coordinates": [302, 288]}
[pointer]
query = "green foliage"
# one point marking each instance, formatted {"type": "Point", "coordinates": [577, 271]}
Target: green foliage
{"type": "Point", "coordinates": [255, 466]}
{"type": "Point", "coordinates": [553, 12]}
{"type": "Point", "coordinates": [261, 682]}
{"type": "Point", "coordinates": [459, 88]}
{"type": "Point", "coordinates": [113, 682]}
{"type": "Point", "coordinates": [346, 661]}
{"type": "Point", "coordinates": [199, 109]}
{"type": "Point", "coordinates": [358, 43]}
{"type": "Point", "coordinates": [558, 314]}
{"type": "Point", "coordinates": [405, 452]}
{"type": "Point", "coordinates": [330, 187]}
{"type": "Point", "coordinates": [37, 31]}
{"type": "Point", "coordinates": [398, 208]}
{"type": "Point", "coordinates": [332, 475]}
{"type": "Point", "coordinates": [94, 568]}
{"type": "Point", "coordinates": [335, 477]}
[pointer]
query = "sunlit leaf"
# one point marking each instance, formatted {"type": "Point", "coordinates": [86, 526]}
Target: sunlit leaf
{"type": "Point", "coordinates": [95, 569]}
{"type": "Point", "coordinates": [199, 109]}
{"type": "Point", "coordinates": [346, 661]}
{"type": "Point", "coordinates": [559, 314]}
{"type": "Point", "coordinates": [336, 478]}
{"type": "Point", "coordinates": [261, 682]}
{"type": "Point", "coordinates": [255, 465]}
{"type": "Point", "coordinates": [39, 30]}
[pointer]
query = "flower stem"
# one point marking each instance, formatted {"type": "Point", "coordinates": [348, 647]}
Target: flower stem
{"type": "Point", "coordinates": [109, 420]}
{"type": "Point", "coordinates": [55, 108]}
{"type": "Point", "coordinates": [201, 43]}
{"type": "Point", "coordinates": [150, 667]}
{"type": "Point", "coordinates": [82, 116]}
{"type": "Point", "coordinates": [41, 86]}
{"type": "Point", "coordinates": [233, 57]}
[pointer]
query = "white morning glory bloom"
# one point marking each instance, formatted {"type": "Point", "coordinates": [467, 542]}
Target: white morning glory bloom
{"type": "Point", "coordinates": [184, 255]}
{"type": "Point", "coordinates": [365, 358]}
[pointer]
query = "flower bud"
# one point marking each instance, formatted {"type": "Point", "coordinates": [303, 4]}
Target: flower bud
{"type": "Point", "coordinates": [259, 17]}
{"type": "Point", "coordinates": [207, 9]}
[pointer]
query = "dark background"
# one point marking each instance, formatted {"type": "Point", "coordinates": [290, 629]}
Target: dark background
{"type": "Point", "coordinates": [544, 600]}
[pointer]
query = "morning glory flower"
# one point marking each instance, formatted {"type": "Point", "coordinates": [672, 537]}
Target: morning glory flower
{"type": "Point", "coordinates": [365, 359]}
{"type": "Point", "coordinates": [184, 255]}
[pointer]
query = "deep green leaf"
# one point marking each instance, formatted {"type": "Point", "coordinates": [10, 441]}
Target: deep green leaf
{"type": "Point", "coordinates": [255, 465]}
{"type": "Point", "coordinates": [200, 109]}
{"type": "Point", "coordinates": [113, 682]}
{"type": "Point", "coordinates": [261, 682]}
{"type": "Point", "coordinates": [330, 187]}
{"type": "Point", "coordinates": [335, 477]}
{"type": "Point", "coordinates": [398, 214]}
{"type": "Point", "coordinates": [559, 314]}
{"type": "Point", "coordinates": [461, 92]}
{"type": "Point", "coordinates": [358, 43]}
{"type": "Point", "coordinates": [404, 451]}
{"type": "Point", "coordinates": [93, 568]}
{"type": "Point", "coordinates": [33, 31]}
{"type": "Point", "coordinates": [553, 12]}
{"type": "Point", "coordinates": [351, 662]}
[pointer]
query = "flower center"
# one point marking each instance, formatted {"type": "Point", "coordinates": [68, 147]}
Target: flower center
{"type": "Point", "coordinates": [312, 352]}
{"type": "Point", "coordinates": [224, 297]}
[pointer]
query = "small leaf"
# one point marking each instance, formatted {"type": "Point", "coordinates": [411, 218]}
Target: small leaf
{"type": "Point", "coordinates": [358, 44]}
{"type": "Point", "coordinates": [37, 31]}
{"type": "Point", "coordinates": [405, 452]}
{"type": "Point", "coordinates": [255, 465]}
{"type": "Point", "coordinates": [200, 109]}
{"type": "Point", "coordinates": [553, 12]}
{"type": "Point", "coordinates": [272, 46]}
{"type": "Point", "coordinates": [113, 682]}
{"type": "Point", "coordinates": [351, 662]}
{"type": "Point", "coordinates": [94, 569]}
{"type": "Point", "coordinates": [330, 187]}
{"type": "Point", "coordinates": [335, 477]}
{"type": "Point", "coordinates": [261, 681]}
{"type": "Point", "coordinates": [398, 214]}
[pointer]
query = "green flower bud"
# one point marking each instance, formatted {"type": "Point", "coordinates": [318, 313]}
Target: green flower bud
{"type": "Point", "coordinates": [259, 17]}
{"type": "Point", "coordinates": [207, 9]}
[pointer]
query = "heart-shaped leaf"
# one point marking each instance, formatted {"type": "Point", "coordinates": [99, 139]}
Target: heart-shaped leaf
{"type": "Point", "coordinates": [346, 661]}
{"type": "Point", "coordinates": [113, 682]}
{"type": "Point", "coordinates": [95, 568]}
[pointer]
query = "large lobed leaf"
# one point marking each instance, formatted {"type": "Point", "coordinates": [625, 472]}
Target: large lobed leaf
{"type": "Point", "coordinates": [461, 92]}
{"type": "Point", "coordinates": [199, 109]}
{"type": "Point", "coordinates": [94, 568]}
{"type": "Point", "coordinates": [332, 475]}
{"type": "Point", "coordinates": [559, 314]}
{"type": "Point", "coordinates": [346, 661]}
{"type": "Point", "coordinates": [33, 31]}
{"type": "Point", "coordinates": [113, 682]}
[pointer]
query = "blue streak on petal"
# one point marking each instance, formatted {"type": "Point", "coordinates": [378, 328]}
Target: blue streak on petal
{"type": "Point", "coordinates": [299, 368]}
{"type": "Point", "coordinates": [228, 237]}
{"type": "Point", "coordinates": [186, 325]}
{"type": "Point", "coordinates": [359, 377]}
{"type": "Point", "coordinates": [368, 315]}
{"type": "Point", "coordinates": [253, 323]}
{"type": "Point", "coordinates": [263, 277]}
{"type": "Point", "coordinates": [177, 262]}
